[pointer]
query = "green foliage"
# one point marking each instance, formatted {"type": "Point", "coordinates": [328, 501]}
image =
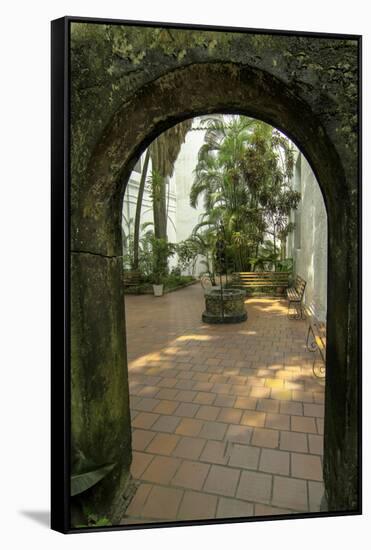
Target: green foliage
{"type": "Point", "coordinates": [153, 256]}
{"type": "Point", "coordinates": [161, 251]}
{"type": "Point", "coordinates": [133, 45]}
{"type": "Point", "coordinates": [92, 519]}
{"type": "Point", "coordinates": [187, 253]}
{"type": "Point", "coordinates": [285, 265]}
{"type": "Point", "coordinates": [156, 182]}
{"type": "Point", "coordinates": [202, 244]}
{"type": "Point", "coordinates": [146, 254]}
{"type": "Point", "coordinates": [86, 475]}
{"type": "Point", "coordinates": [243, 173]}
{"type": "Point", "coordinates": [128, 257]}
{"type": "Point", "coordinates": [266, 257]}
{"type": "Point", "coordinates": [175, 280]}
{"type": "Point", "coordinates": [81, 482]}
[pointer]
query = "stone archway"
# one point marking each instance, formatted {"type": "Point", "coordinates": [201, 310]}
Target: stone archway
{"type": "Point", "coordinates": [100, 412]}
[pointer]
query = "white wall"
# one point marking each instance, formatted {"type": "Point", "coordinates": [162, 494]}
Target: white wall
{"type": "Point", "coordinates": [186, 216]}
{"type": "Point", "coordinates": [308, 243]}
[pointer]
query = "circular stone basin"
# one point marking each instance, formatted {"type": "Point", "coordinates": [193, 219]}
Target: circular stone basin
{"type": "Point", "coordinates": [233, 310]}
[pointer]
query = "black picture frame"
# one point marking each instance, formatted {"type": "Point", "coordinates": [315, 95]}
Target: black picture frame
{"type": "Point", "coordinates": [61, 273]}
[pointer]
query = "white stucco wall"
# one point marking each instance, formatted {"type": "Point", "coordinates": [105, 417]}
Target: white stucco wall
{"type": "Point", "coordinates": [186, 216]}
{"type": "Point", "coordinates": [308, 243]}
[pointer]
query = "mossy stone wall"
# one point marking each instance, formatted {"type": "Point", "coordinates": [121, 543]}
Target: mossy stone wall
{"type": "Point", "coordinates": [128, 85]}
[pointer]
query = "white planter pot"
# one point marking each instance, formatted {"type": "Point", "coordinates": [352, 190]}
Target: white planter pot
{"type": "Point", "coordinates": [158, 290]}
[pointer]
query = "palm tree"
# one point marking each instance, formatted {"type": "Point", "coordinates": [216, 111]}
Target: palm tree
{"type": "Point", "coordinates": [138, 210]}
{"type": "Point", "coordinates": [163, 153]}
{"type": "Point", "coordinates": [218, 177]}
{"type": "Point", "coordinates": [243, 174]}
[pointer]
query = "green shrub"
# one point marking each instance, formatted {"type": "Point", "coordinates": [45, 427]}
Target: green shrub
{"type": "Point", "coordinates": [173, 280]}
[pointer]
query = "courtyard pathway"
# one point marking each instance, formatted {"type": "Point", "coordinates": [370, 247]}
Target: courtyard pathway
{"type": "Point", "coordinates": [227, 420]}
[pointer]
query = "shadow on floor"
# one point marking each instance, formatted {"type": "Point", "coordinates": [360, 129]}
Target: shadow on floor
{"type": "Point", "coordinates": [42, 517]}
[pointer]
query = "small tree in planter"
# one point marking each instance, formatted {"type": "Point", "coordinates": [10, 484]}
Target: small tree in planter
{"type": "Point", "coordinates": [161, 250]}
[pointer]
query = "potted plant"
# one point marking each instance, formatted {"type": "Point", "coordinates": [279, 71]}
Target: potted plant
{"type": "Point", "coordinates": [158, 287]}
{"type": "Point", "coordinates": [161, 250]}
{"type": "Point", "coordinates": [158, 275]}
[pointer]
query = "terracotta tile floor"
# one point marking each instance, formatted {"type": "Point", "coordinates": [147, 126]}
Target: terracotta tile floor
{"type": "Point", "coordinates": [227, 420]}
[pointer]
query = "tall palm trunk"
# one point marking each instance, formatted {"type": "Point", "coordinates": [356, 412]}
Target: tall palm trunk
{"type": "Point", "coordinates": [283, 249]}
{"type": "Point", "coordinates": [159, 212]}
{"type": "Point", "coordinates": [164, 152]}
{"type": "Point", "coordinates": [240, 258]}
{"type": "Point", "coordinates": [138, 210]}
{"type": "Point", "coordinates": [167, 200]}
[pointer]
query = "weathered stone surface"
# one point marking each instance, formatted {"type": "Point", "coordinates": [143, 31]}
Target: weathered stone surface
{"type": "Point", "coordinates": [100, 416]}
{"type": "Point", "coordinates": [227, 306]}
{"type": "Point", "coordinates": [128, 85]}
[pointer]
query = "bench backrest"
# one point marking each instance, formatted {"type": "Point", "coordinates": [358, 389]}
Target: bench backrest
{"type": "Point", "coordinates": [319, 332]}
{"type": "Point", "coordinates": [300, 285]}
{"type": "Point", "coordinates": [132, 278]}
{"type": "Point", "coordinates": [263, 278]}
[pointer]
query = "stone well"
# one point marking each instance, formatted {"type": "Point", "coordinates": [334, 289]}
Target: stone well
{"type": "Point", "coordinates": [224, 306]}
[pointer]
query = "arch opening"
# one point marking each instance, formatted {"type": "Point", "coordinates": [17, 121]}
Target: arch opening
{"type": "Point", "coordinates": [150, 358]}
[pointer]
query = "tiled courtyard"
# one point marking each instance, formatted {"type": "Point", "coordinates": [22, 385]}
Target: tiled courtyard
{"type": "Point", "coordinates": [227, 420]}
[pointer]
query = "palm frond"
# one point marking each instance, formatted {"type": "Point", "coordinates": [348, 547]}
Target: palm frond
{"type": "Point", "coordinates": [83, 481]}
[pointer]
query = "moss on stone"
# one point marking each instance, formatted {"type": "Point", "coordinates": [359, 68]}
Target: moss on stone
{"type": "Point", "coordinates": [128, 84]}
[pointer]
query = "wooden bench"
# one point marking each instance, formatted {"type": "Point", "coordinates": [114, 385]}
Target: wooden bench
{"type": "Point", "coordinates": [132, 278]}
{"type": "Point", "coordinates": [261, 279]}
{"type": "Point", "coordinates": [295, 297]}
{"type": "Point", "coordinates": [316, 342]}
